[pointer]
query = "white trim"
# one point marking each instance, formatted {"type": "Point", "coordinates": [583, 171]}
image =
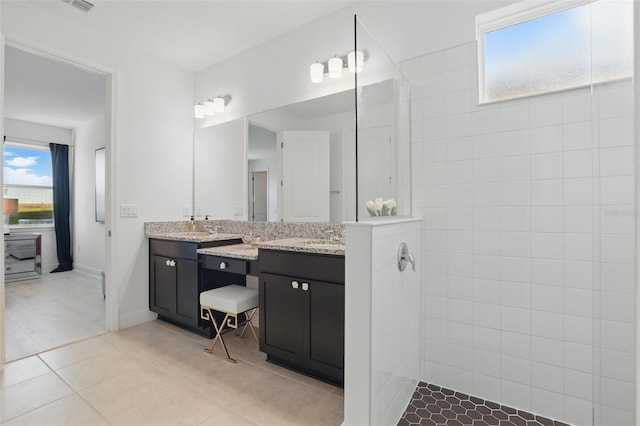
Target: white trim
{"type": "Point", "coordinates": [3, 328]}
{"type": "Point", "coordinates": [87, 270]}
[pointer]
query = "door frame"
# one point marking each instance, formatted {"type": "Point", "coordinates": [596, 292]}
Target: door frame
{"type": "Point", "coordinates": [111, 78]}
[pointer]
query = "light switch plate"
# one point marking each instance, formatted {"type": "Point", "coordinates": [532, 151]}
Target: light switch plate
{"type": "Point", "coordinates": [128, 210]}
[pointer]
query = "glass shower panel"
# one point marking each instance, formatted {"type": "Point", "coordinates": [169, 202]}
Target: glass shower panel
{"type": "Point", "coordinates": [614, 212]}
{"type": "Point", "coordinates": [383, 149]}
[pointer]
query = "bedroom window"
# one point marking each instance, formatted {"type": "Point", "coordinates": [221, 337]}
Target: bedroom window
{"type": "Point", "coordinates": [526, 50]}
{"type": "Point", "coordinates": [28, 177]}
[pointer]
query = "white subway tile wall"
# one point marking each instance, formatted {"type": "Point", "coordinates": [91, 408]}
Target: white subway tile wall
{"type": "Point", "coordinates": [528, 238]}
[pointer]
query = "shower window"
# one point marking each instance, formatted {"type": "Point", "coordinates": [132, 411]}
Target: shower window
{"type": "Point", "coordinates": [560, 45]}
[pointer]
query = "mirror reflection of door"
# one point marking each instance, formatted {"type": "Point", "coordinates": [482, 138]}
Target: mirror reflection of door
{"type": "Point", "coordinates": [259, 196]}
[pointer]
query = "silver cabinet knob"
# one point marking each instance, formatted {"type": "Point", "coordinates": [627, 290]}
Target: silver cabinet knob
{"type": "Point", "coordinates": [168, 262]}
{"type": "Point", "coordinates": [295, 284]}
{"type": "Point", "coordinates": [173, 263]}
{"type": "Point", "coordinates": [223, 265]}
{"type": "Point", "coordinates": [305, 286]}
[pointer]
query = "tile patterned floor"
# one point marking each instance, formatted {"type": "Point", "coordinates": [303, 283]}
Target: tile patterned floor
{"type": "Point", "coordinates": [157, 374]}
{"type": "Point", "coordinates": [50, 311]}
{"type": "Point", "coordinates": [432, 405]}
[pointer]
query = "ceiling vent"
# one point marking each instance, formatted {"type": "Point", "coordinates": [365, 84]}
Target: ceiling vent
{"type": "Point", "coordinates": [83, 5]}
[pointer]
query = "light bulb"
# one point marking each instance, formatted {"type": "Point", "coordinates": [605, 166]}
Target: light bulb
{"type": "Point", "coordinates": [316, 72]}
{"type": "Point", "coordinates": [218, 104]}
{"type": "Point", "coordinates": [355, 60]}
{"type": "Point", "coordinates": [198, 111]}
{"type": "Point", "coordinates": [335, 67]}
{"type": "Point", "coordinates": [208, 107]}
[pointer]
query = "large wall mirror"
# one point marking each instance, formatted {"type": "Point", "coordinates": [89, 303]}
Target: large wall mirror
{"type": "Point", "coordinates": [297, 163]}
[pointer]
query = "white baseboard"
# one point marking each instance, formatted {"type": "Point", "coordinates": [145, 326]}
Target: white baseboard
{"type": "Point", "coordinates": [87, 270]}
{"type": "Point", "coordinates": [136, 318]}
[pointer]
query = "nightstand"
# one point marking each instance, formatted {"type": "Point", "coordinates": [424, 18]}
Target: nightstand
{"type": "Point", "coordinates": [22, 256]}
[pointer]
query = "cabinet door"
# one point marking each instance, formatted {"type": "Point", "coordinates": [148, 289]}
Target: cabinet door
{"type": "Point", "coordinates": [187, 298]}
{"type": "Point", "coordinates": [281, 319]}
{"type": "Point", "coordinates": [162, 293]}
{"type": "Point", "coordinates": [324, 343]}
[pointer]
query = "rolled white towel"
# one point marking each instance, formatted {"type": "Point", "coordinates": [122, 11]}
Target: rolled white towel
{"type": "Point", "coordinates": [371, 207]}
{"type": "Point", "coordinates": [379, 204]}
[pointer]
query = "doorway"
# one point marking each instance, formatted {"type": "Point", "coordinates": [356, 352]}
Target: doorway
{"type": "Point", "coordinates": [51, 100]}
{"type": "Point", "coordinates": [259, 195]}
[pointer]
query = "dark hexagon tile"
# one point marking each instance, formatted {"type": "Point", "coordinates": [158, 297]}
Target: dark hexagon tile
{"type": "Point", "coordinates": [476, 400]}
{"type": "Point", "coordinates": [428, 422]}
{"type": "Point", "coordinates": [479, 423]}
{"type": "Point", "coordinates": [419, 403]}
{"type": "Point", "coordinates": [403, 422]}
{"type": "Point", "coordinates": [459, 409]}
{"type": "Point", "coordinates": [438, 395]}
{"type": "Point", "coordinates": [483, 409]}
{"type": "Point", "coordinates": [509, 410]}
{"type": "Point", "coordinates": [465, 420]}
{"type": "Point", "coordinates": [468, 405]}
{"type": "Point", "coordinates": [432, 408]}
{"type": "Point", "coordinates": [492, 405]}
{"type": "Point", "coordinates": [491, 420]}
{"type": "Point", "coordinates": [423, 414]}
{"type": "Point", "coordinates": [449, 414]}
{"type": "Point", "coordinates": [428, 399]}
{"type": "Point", "coordinates": [452, 400]}
{"type": "Point", "coordinates": [544, 421]}
{"type": "Point", "coordinates": [461, 396]}
{"type": "Point", "coordinates": [525, 415]}
{"type": "Point", "coordinates": [474, 414]}
{"type": "Point", "coordinates": [447, 391]}
{"type": "Point", "coordinates": [517, 420]}
{"type": "Point", "coordinates": [499, 414]}
{"type": "Point", "coordinates": [532, 423]}
{"type": "Point", "coordinates": [434, 387]}
{"type": "Point", "coordinates": [443, 404]}
{"type": "Point", "coordinates": [454, 423]}
{"type": "Point", "coordinates": [439, 419]}
{"type": "Point", "coordinates": [412, 418]}
{"type": "Point", "coordinates": [410, 408]}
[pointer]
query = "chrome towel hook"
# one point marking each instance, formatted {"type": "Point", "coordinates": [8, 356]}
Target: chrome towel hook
{"type": "Point", "coordinates": [404, 256]}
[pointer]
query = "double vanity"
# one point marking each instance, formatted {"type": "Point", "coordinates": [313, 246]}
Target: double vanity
{"type": "Point", "coordinates": [298, 268]}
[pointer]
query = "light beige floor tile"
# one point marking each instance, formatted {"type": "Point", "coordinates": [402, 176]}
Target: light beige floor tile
{"type": "Point", "coordinates": [123, 392]}
{"type": "Point", "coordinates": [224, 417]}
{"type": "Point", "coordinates": [98, 369]}
{"type": "Point", "coordinates": [69, 411]}
{"type": "Point", "coordinates": [22, 370]}
{"type": "Point", "coordinates": [76, 353]}
{"type": "Point", "coordinates": [31, 394]}
{"type": "Point", "coordinates": [329, 411]}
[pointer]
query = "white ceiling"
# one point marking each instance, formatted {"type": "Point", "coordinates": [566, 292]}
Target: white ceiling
{"type": "Point", "coordinates": [51, 92]}
{"type": "Point", "coordinates": [194, 33]}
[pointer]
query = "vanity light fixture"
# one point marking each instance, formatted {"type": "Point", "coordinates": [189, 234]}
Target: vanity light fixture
{"type": "Point", "coordinates": [211, 106]}
{"type": "Point", "coordinates": [335, 67]}
{"type": "Point", "coordinates": [199, 111]}
{"type": "Point", "coordinates": [354, 63]}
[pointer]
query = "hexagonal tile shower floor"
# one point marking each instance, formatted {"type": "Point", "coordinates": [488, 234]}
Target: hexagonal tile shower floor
{"type": "Point", "coordinates": [433, 405]}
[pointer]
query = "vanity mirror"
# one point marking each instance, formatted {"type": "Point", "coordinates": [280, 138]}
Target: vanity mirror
{"type": "Point", "coordinates": [297, 163]}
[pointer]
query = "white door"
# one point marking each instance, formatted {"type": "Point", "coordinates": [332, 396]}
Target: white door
{"type": "Point", "coordinates": [305, 176]}
{"type": "Point", "coordinates": [259, 189]}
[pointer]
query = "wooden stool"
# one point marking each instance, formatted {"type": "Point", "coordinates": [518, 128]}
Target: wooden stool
{"type": "Point", "coordinates": [232, 300]}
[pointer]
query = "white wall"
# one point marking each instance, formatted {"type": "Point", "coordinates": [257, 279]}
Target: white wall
{"type": "Point", "coordinates": [528, 205]}
{"type": "Point", "coordinates": [382, 343]}
{"type": "Point", "coordinates": [153, 137]}
{"type": "Point", "coordinates": [88, 235]}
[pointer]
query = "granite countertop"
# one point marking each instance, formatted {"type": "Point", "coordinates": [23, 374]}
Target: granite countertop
{"type": "Point", "coordinates": [193, 236]}
{"type": "Point", "coordinates": [236, 251]}
{"type": "Point", "coordinates": [304, 245]}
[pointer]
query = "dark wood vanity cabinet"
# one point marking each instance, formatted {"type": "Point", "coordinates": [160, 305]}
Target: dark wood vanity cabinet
{"type": "Point", "coordinates": [175, 282]}
{"type": "Point", "coordinates": [302, 312]}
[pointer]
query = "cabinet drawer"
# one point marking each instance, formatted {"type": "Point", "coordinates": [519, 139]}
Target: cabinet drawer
{"type": "Point", "coordinates": [302, 265]}
{"type": "Point", "coordinates": [174, 249]}
{"type": "Point", "coordinates": [225, 264]}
